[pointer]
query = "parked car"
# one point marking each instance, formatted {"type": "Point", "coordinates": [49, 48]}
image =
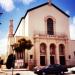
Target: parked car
{"type": "Point", "coordinates": [71, 70]}
{"type": "Point", "coordinates": [37, 69]}
{"type": "Point", "coordinates": [51, 69]}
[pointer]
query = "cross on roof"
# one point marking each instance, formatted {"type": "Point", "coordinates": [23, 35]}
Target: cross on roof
{"type": "Point", "coordinates": [49, 1]}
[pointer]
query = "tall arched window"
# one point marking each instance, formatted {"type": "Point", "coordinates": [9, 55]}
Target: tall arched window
{"type": "Point", "coordinates": [52, 49]}
{"type": "Point", "coordinates": [42, 54]}
{"type": "Point", "coordinates": [52, 53]}
{"type": "Point", "coordinates": [43, 48]}
{"type": "Point", "coordinates": [50, 29]}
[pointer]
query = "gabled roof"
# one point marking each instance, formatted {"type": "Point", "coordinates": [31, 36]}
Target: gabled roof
{"type": "Point", "coordinates": [39, 7]}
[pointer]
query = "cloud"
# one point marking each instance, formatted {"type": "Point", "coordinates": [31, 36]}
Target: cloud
{"type": "Point", "coordinates": [3, 46]}
{"type": "Point", "coordinates": [25, 1]}
{"type": "Point", "coordinates": [7, 5]}
{"type": "Point", "coordinates": [72, 28]}
{"type": "Point", "coordinates": [0, 32]}
{"type": "Point", "coordinates": [72, 31]}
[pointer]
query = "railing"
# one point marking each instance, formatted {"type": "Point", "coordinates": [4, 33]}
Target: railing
{"type": "Point", "coordinates": [63, 36]}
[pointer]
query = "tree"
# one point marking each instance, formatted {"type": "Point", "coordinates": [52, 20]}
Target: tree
{"type": "Point", "coordinates": [22, 45]}
{"type": "Point", "coordinates": [25, 44]}
{"type": "Point", "coordinates": [10, 61]}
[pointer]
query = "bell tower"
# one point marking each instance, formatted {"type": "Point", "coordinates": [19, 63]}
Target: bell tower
{"type": "Point", "coordinates": [10, 33]}
{"type": "Point", "coordinates": [10, 37]}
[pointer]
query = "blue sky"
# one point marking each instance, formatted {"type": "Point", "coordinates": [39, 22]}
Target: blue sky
{"type": "Point", "coordinates": [16, 9]}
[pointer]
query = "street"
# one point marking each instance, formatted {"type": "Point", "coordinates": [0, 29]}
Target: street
{"type": "Point", "coordinates": [25, 73]}
{"type": "Point", "coordinates": [69, 74]}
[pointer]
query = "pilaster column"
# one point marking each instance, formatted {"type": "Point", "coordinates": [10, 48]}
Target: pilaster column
{"type": "Point", "coordinates": [67, 48]}
{"type": "Point", "coordinates": [57, 54]}
{"type": "Point", "coordinates": [37, 52]}
{"type": "Point", "coordinates": [48, 55]}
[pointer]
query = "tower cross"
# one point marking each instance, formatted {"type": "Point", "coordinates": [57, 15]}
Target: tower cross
{"type": "Point", "coordinates": [49, 1]}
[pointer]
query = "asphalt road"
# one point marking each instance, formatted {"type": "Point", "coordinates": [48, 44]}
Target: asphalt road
{"type": "Point", "coordinates": [24, 72]}
{"type": "Point", "coordinates": [69, 74]}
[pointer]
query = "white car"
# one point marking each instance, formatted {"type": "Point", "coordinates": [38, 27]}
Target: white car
{"type": "Point", "coordinates": [71, 70]}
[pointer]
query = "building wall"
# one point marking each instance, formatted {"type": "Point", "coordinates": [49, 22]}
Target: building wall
{"type": "Point", "coordinates": [37, 21]}
{"type": "Point", "coordinates": [34, 27]}
{"type": "Point", "coordinates": [48, 41]}
{"type": "Point", "coordinates": [26, 25]}
{"type": "Point", "coordinates": [21, 29]}
{"type": "Point", "coordinates": [37, 25]}
{"type": "Point", "coordinates": [72, 52]}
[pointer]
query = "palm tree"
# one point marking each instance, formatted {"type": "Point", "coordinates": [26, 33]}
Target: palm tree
{"type": "Point", "coordinates": [22, 45]}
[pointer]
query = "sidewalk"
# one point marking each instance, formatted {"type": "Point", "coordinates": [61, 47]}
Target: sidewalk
{"type": "Point", "coordinates": [15, 71]}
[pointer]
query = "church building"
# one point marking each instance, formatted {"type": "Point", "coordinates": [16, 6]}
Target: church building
{"type": "Point", "coordinates": [47, 26]}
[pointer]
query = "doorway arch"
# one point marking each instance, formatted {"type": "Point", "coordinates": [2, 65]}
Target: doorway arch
{"type": "Point", "coordinates": [42, 54]}
{"type": "Point", "coordinates": [52, 53]}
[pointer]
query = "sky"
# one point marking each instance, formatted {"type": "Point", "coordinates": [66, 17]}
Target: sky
{"type": "Point", "coordinates": [15, 9]}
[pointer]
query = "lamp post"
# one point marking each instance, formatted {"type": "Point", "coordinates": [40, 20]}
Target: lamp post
{"type": "Point", "coordinates": [13, 58]}
{"type": "Point", "coordinates": [12, 70]}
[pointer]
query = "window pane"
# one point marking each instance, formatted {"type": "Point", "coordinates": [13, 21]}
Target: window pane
{"type": "Point", "coordinates": [42, 49]}
{"type": "Point", "coordinates": [50, 26]}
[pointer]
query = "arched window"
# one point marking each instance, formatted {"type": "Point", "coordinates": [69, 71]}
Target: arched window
{"type": "Point", "coordinates": [52, 53]}
{"type": "Point", "coordinates": [52, 49]}
{"type": "Point", "coordinates": [42, 48]}
{"type": "Point", "coordinates": [42, 54]}
{"type": "Point", "coordinates": [50, 29]}
{"type": "Point", "coordinates": [61, 49]}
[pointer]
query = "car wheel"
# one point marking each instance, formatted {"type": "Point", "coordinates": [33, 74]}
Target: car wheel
{"type": "Point", "coordinates": [62, 73]}
{"type": "Point", "coordinates": [43, 73]}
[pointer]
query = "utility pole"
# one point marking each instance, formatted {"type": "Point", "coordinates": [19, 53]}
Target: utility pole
{"type": "Point", "coordinates": [0, 15]}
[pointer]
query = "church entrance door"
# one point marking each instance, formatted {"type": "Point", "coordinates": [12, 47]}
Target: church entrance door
{"type": "Point", "coordinates": [62, 60]}
{"type": "Point", "coordinates": [42, 60]}
{"type": "Point", "coordinates": [52, 61]}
